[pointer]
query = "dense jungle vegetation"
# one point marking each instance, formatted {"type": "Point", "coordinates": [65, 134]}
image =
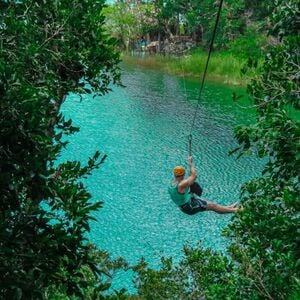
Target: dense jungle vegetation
{"type": "Point", "coordinates": [184, 29]}
{"type": "Point", "coordinates": [52, 48]}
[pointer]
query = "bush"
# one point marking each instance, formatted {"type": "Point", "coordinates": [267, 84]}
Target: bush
{"type": "Point", "coordinates": [251, 44]}
{"type": "Point", "coordinates": [48, 49]}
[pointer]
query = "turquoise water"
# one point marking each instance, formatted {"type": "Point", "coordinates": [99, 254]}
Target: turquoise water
{"type": "Point", "coordinates": [143, 129]}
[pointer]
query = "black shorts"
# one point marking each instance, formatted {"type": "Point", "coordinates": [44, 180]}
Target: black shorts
{"type": "Point", "coordinates": [194, 206]}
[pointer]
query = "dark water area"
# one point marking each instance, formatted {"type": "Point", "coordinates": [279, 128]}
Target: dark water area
{"type": "Point", "coordinates": [143, 129]}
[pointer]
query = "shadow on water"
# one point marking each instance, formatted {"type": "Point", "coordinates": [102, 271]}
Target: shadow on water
{"type": "Point", "coordinates": [143, 129]}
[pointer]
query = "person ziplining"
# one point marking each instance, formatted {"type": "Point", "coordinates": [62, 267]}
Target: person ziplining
{"type": "Point", "coordinates": [186, 193]}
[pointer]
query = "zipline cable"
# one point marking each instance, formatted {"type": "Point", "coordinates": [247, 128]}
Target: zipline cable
{"type": "Point", "coordinates": [204, 74]}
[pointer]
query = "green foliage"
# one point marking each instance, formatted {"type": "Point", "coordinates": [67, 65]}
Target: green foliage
{"type": "Point", "coordinates": [47, 50]}
{"type": "Point", "coordinates": [201, 274]}
{"type": "Point", "coordinates": [161, 19]}
{"type": "Point", "coordinates": [286, 18]}
{"type": "Point", "coordinates": [122, 22]}
{"type": "Point", "coordinates": [266, 243]}
{"type": "Point", "coordinates": [129, 21]}
{"type": "Point", "coordinates": [93, 287]}
{"type": "Point", "coordinates": [259, 9]}
{"type": "Point", "coordinates": [250, 44]}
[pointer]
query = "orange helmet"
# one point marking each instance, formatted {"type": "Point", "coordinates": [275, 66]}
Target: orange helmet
{"type": "Point", "coordinates": [179, 171]}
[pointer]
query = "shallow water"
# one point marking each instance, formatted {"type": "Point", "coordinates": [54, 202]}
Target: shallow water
{"type": "Point", "coordinates": [143, 129]}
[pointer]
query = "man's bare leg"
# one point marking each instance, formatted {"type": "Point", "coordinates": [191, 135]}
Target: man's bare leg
{"type": "Point", "coordinates": [220, 209]}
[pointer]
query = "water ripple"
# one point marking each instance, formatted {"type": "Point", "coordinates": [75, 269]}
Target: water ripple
{"type": "Point", "coordinates": [143, 129]}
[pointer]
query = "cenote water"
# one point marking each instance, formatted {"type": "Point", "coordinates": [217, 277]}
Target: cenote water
{"type": "Point", "coordinates": [143, 129]}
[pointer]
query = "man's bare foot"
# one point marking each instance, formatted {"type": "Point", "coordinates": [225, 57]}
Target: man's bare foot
{"type": "Point", "coordinates": [240, 208]}
{"type": "Point", "coordinates": [234, 205]}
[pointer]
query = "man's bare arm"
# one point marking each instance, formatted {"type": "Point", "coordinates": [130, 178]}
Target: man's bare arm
{"type": "Point", "coordinates": [184, 184]}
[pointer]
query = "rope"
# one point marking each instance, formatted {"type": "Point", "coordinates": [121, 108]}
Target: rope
{"type": "Point", "coordinates": [204, 75]}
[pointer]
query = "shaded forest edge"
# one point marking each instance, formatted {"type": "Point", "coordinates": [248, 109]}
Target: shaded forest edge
{"type": "Point", "coordinates": [174, 36]}
{"type": "Point", "coordinates": [55, 48]}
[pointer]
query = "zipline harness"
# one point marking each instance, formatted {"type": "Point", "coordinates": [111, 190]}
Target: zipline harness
{"type": "Point", "coordinates": [204, 76]}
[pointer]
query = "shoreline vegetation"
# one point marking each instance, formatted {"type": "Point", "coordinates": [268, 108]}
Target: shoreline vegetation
{"type": "Point", "coordinates": [223, 67]}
